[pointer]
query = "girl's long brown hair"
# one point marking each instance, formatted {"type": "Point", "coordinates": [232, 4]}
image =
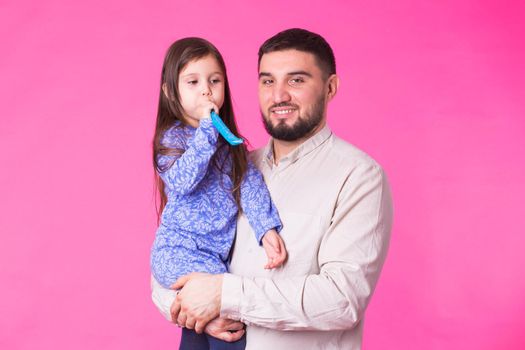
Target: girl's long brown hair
{"type": "Point", "coordinates": [170, 111]}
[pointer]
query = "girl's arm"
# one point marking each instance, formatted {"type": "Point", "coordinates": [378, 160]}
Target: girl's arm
{"type": "Point", "coordinates": [188, 169]}
{"type": "Point", "coordinates": [257, 204]}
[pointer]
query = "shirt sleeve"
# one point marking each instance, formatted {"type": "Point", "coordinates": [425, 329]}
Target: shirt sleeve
{"type": "Point", "coordinates": [162, 298]}
{"type": "Point", "coordinates": [182, 173]}
{"type": "Point", "coordinates": [257, 204]}
{"type": "Point", "coordinates": [351, 256]}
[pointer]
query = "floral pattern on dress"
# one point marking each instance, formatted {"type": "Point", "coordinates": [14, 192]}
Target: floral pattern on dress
{"type": "Point", "coordinates": [198, 223]}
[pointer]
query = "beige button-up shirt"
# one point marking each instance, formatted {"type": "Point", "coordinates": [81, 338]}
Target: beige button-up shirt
{"type": "Point", "coordinates": [335, 205]}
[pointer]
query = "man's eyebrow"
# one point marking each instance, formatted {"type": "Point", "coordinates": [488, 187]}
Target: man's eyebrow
{"type": "Point", "coordinates": [300, 72]}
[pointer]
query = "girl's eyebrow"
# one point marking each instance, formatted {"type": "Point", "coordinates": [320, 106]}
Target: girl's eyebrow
{"type": "Point", "coordinates": [192, 74]}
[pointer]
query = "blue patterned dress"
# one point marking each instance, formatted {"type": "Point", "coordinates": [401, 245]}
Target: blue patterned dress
{"type": "Point", "coordinates": [198, 224]}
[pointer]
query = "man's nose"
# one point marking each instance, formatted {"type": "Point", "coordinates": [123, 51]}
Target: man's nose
{"type": "Point", "coordinates": [281, 93]}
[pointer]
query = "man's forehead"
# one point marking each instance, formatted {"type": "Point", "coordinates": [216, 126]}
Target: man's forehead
{"type": "Point", "coordinates": [287, 61]}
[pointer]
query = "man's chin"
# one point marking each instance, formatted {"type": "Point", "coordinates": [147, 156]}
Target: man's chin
{"type": "Point", "coordinates": [283, 124]}
{"type": "Point", "coordinates": [286, 129]}
{"type": "Point", "coordinates": [284, 133]}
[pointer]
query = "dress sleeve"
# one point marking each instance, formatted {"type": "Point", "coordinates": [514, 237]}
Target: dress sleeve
{"type": "Point", "coordinates": [351, 255]}
{"type": "Point", "coordinates": [257, 204]}
{"type": "Point", "coordinates": [182, 173]}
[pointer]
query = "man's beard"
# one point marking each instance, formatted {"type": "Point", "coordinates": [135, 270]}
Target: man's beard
{"type": "Point", "coordinates": [303, 126]}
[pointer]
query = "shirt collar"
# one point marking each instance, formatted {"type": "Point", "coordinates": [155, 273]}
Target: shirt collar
{"type": "Point", "coordinates": [303, 149]}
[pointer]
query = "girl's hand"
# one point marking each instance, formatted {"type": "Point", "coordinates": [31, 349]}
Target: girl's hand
{"type": "Point", "coordinates": [204, 107]}
{"type": "Point", "coordinates": [275, 251]}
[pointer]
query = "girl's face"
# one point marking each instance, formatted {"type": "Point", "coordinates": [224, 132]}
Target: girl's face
{"type": "Point", "coordinates": [202, 80]}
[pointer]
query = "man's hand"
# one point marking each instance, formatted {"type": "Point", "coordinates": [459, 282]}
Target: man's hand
{"type": "Point", "coordinates": [225, 329]}
{"type": "Point", "coordinates": [198, 302]}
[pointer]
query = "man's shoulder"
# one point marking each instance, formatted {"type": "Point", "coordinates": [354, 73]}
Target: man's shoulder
{"type": "Point", "coordinates": [256, 155]}
{"type": "Point", "coordinates": [347, 154]}
{"type": "Point", "coordinates": [341, 153]}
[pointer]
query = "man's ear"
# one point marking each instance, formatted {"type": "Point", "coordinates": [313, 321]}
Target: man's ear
{"type": "Point", "coordinates": [333, 85]}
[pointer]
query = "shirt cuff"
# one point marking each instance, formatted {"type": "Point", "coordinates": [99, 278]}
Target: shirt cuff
{"type": "Point", "coordinates": [162, 298]}
{"type": "Point", "coordinates": [231, 296]}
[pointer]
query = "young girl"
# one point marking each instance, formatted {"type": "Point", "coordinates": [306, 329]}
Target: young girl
{"type": "Point", "coordinates": [203, 181]}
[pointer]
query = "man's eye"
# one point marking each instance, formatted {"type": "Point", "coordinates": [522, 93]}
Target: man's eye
{"type": "Point", "coordinates": [297, 80]}
{"type": "Point", "coordinates": [267, 81]}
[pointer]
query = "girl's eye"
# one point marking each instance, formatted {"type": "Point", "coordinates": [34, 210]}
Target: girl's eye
{"type": "Point", "coordinates": [215, 81]}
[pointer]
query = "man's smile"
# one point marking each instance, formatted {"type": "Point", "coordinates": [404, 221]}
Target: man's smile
{"type": "Point", "coordinates": [283, 111]}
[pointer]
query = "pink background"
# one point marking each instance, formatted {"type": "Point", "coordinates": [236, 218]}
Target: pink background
{"type": "Point", "coordinates": [433, 90]}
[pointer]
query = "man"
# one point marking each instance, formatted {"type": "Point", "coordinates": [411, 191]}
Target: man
{"type": "Point", "coordinates": [335, 206]}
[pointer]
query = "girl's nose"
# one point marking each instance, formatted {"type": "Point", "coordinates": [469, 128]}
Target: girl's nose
{"type": "Point", "coordinates": [206, 91]}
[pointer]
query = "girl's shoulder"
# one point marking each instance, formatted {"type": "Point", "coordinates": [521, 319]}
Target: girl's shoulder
{"type": "Point", "coordinates": [174, 129]}
{"type": "Point", "coordinates": [175, 136]}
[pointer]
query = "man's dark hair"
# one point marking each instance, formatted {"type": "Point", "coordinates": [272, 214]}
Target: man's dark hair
{"type": "Point", "coordinates": [302, 40]}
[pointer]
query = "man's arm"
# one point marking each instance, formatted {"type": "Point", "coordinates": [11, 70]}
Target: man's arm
{"type": "Point", "coordinates": [162, 298]}
{"type": "Point", "coordinates": [351, 256]}
{"type": "Point", "coordinates": [221, 328]}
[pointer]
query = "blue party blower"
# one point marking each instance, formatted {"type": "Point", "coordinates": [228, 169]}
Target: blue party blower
{"type": "Point", "coordinates": [224, 131]}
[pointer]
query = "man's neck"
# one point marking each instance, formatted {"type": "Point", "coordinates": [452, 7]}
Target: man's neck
{"type": "Point", "coordinates": [282, 148]}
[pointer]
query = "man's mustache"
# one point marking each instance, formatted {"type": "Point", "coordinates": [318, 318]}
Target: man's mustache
{"type": "Point", "coordinates": [283, 104]}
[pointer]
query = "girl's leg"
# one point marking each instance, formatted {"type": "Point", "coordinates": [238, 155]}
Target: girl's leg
{"type": "Point", "coordinates": [217, 344]}
{"type": "Point", "coordinates": [193, 341]}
